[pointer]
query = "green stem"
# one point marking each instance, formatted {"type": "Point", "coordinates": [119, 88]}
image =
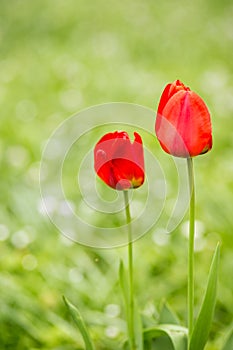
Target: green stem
{"type": "Point", "coordinates": [191, 249]}
{"type": "Point", "coordinates": [130, 262]}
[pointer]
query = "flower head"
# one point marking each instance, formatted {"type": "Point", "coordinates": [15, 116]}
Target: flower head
{"type": "Point", "coordinates": [118, 162]}
{"type": "Point", "coordinates": [183, 125]}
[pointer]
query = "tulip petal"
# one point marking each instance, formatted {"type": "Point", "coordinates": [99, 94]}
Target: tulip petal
{"type": "Point", "coordinates": [164, 99]}
{"type": "Point", "coordinates": [183, 124]}
{"type": "Point", "coordinates": [118, 162]}
{"type": "Point", "coordinates": [169, 91]}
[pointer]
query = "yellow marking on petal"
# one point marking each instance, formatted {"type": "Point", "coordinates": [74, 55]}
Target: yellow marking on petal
{"type": "Point", "coordinates": [136, 182]}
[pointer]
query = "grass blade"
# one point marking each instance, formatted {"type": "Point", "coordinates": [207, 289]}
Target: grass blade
{"type": "Point", "coordinates": [167, 315]}
{"type": "Point", "coordinates": [78, 320]}
{"type": "Point", "coordinates": [202, 326]}
{"type": "Point", "coordinates": [124, 285]}
{"type": "Point", "coordinates": [229, 342]}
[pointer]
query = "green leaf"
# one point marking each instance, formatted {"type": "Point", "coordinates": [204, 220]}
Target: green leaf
{"type": "Point", "coordinates": [176, 334]}
{"type": "Point", "coordinates": [229, 342]}
{"type": "Point", "coordinates": [202, 326]}
{"type": "Point", "coordinates": [162, 343]}
{"type": "Point", "coordinates": [148, 344]}
{"type": "Point", "coordinates": [78, 320]}
{"type": "Point", "coordinates": [167, 315]}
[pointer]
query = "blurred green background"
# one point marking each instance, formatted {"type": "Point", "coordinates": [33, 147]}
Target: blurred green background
{"type": "Point", "coordinates": [58, 57]}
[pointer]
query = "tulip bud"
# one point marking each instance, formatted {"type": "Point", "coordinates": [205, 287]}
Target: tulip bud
{"type": "Point", "coordinates": [183, 125]}
{"type": "Point", "coordinates": [118, 162]}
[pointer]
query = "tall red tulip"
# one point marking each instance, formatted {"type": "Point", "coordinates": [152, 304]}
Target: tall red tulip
{"type": "Point", "coordinates": [118, 162]}
{"type": "Point", "coordinates": [183, 125]}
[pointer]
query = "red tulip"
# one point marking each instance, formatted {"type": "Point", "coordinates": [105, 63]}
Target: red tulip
{"type": "Point", "coordinates": [118, 162]}
{"type": "Point", "coordinates": [183, 125]}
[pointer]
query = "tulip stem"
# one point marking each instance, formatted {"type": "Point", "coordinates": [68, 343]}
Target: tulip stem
{"type": "Point", "coordinates": [130, 274]}
{"type": "Point", "coordinates": [191, 248]}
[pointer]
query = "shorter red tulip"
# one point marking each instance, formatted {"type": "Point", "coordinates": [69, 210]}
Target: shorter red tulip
{"type": "Point", "coordinates": [183, 125]}
{"type": "Point", "coordinates": [118, 162]}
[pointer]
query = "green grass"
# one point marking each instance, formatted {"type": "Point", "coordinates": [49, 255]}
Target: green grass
{"type": "Point", "coordinates": [57, 58]}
